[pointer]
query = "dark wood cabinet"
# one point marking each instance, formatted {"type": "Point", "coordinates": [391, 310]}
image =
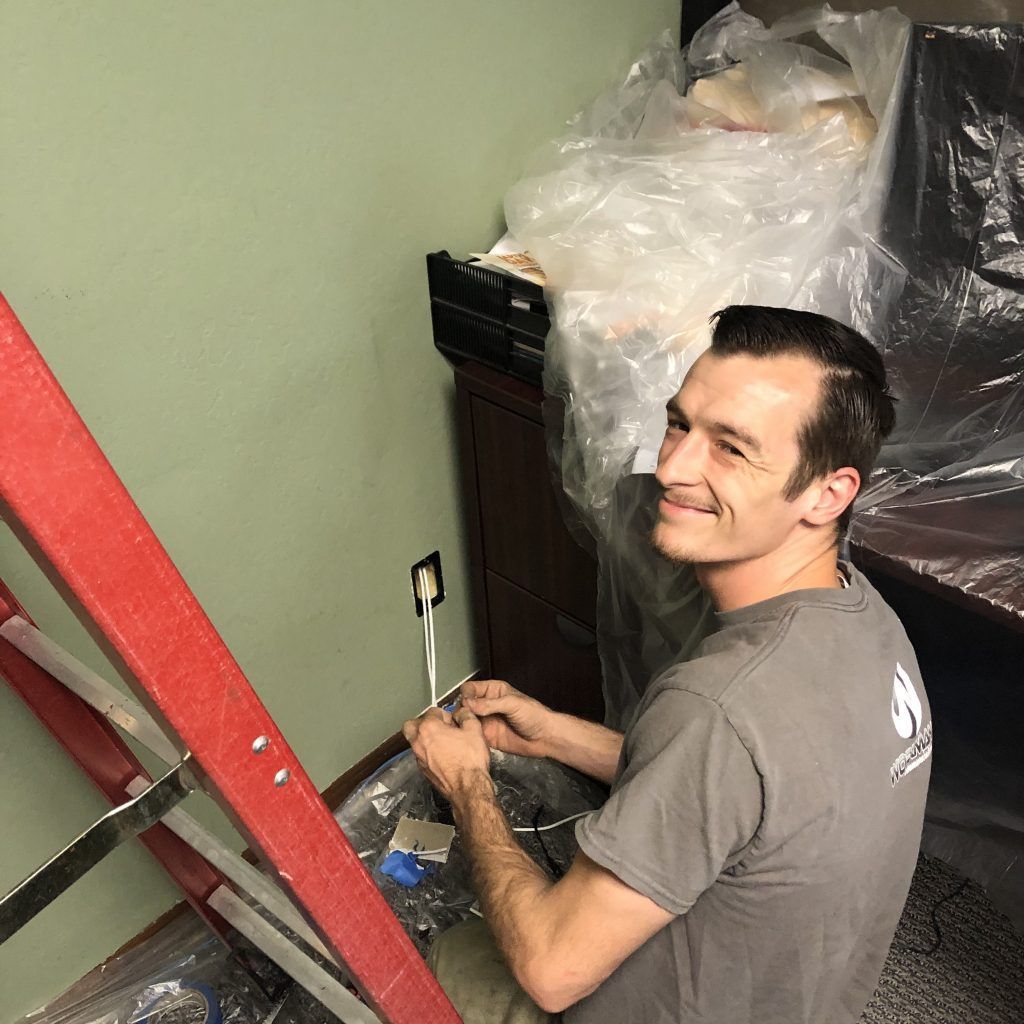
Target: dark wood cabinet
{"type": "Point", "coordinates": [534, 587]}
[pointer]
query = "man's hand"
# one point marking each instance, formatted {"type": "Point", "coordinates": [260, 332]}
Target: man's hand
{"type": "Point", "coordinates": [451, 749]}
{"type": "Point", "coordinates": [511, 721]}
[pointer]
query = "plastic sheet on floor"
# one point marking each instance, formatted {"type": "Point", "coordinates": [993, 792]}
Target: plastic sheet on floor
{"type": "Point", "coordinates": [531, 791]}
{"type": "Point", "coordinates": [184, 974]}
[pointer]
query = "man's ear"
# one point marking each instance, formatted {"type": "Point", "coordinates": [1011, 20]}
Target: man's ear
{"type": "Point", "coordinates": [834, 493]}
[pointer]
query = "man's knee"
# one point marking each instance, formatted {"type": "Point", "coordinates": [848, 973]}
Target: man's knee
{"type": "Point", "coordinates": [461, 943]}
{"type": "Point", "coordinates": [476, 978]}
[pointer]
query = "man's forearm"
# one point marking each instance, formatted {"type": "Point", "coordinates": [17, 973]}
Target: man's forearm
{"type": "Point", "coordinates": [509, 885]}
{"type": "Point", "coordinates": [586, 746]}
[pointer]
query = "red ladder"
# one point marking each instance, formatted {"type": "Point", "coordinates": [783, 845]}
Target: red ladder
{"type": "Point", "coordinates": [63, 499]}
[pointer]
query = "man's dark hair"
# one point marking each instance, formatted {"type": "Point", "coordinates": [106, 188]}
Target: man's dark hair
{"type": "Point", "coordinates": [856, 411]}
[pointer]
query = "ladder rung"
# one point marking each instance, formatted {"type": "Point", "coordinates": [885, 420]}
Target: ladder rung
{"type": "Point", "coordinates": [121, 709]}
{"type": "Point", "coordinates": [242, 873]}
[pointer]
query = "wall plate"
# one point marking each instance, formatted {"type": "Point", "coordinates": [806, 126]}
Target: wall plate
{"type": "Point", "coordinates": [432, 563]}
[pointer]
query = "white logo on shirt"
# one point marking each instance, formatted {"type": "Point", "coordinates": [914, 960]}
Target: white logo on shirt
{"type": "Point", "coordinates": [906, 705]}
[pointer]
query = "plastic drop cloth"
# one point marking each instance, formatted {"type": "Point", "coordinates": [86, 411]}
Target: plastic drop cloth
{"type": "Point", "coordinates": [530, 791]}
{"type": "Point", "coordinates": [184, 975]}
{"type": "Point", "coordinates": [949, 500]}
{"type": "Point", "coordinates": [747, 170]}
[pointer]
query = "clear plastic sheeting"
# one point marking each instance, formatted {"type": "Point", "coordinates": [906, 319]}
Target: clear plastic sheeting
{"type": "Point", "coordinates": [182, 975]}
{"type": "Point", "coordinates": [748, 170]}
{"type": "Point", "coordinates": [949, 501]}
{"type": "Point", "coordinates": [531, 792]}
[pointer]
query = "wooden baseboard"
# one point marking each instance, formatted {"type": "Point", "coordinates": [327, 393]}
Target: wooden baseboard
{"type": "Point", "coordinates": [168, 917]}
{"type": "Point", "coordinates": [344, 785]}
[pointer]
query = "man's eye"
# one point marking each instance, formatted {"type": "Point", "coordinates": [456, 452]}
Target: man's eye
{"type": "Point", "coordinates": [676, 425]}
{"type": "Point", "coordinates": [730, 449]}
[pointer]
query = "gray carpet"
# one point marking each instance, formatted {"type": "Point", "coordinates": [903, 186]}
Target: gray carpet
{"type": "Point", "coordinates": [975, 977]}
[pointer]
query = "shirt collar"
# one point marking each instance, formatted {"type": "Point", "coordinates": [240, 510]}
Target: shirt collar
{"type": "Point", "coordinates": [851, 597]}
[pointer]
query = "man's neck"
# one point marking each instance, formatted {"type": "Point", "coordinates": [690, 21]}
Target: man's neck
{"type": "Point", "coordinates": [733, 585]}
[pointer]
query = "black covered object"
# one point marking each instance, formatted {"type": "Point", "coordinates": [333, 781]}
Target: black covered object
{"type": "Point", "coordinates": [949, 504]}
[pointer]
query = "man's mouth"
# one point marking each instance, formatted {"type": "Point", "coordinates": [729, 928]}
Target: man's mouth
{"type": "Point", "coordinates": [679, 509]}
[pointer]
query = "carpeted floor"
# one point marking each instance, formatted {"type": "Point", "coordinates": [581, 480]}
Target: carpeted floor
{"type": "Point", "coordinates": [976, 976]}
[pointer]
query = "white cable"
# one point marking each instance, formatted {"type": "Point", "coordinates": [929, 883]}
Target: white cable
{"type": "Point", "coordinates": [545, 828]}
{"type": "Point", "coordinates": [453, 693]}
{"type": "Point", "coordinates": [428, 634]}
{"type": "Point", "coordinates": [433, 641]}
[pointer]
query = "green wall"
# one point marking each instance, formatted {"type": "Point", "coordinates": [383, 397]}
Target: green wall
{"type": "Point", "coordinates": [214, 217]}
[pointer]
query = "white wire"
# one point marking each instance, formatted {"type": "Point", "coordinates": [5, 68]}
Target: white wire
{"type": "Point", "coordinates": [433, 642]}
{"type": "Point", "coordinates": [545, 828]}
{"type": "Point", "coordinates": [428, 611]}
{"type": "Point", "coordinates": [527, 828]}
{"type": "Point", "coordinates": [428, 634]}
{"type": "Point", "coordinates": [431, 655]}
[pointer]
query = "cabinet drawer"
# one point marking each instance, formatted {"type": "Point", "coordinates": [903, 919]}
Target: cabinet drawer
{"type": "Point", "coordinates": [543, 652]}
{"type": "Point", "coordinates": [524, 537]}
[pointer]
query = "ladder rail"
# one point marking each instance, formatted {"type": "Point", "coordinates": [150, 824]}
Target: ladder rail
{"type": "Point", "coordinates": [306, 971]}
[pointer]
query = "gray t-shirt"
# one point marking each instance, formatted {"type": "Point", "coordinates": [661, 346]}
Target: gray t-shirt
{"type": "Point", "coordinates": [771, 792]}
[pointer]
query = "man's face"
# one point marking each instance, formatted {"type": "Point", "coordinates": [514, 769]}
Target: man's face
{"type": "Point", "coordinates": [729, 450]}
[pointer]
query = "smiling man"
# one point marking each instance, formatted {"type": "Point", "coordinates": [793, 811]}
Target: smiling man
{"type": "Point", "coordinates": [757, 846]}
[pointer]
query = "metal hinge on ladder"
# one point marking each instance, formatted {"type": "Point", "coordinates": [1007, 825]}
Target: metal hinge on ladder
{"type": "Point", "coordinates": [61, 871]}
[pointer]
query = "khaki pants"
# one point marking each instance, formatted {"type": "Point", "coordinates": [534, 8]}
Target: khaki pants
{"type": "Point", "coordinates": [474, 975]}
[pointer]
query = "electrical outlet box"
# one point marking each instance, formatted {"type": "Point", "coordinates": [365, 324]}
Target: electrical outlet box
{"type": "Point", "coordinates": [431, 565]}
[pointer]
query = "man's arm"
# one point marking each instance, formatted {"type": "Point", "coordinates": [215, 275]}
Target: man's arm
{"type": "Point", "coordinates": [519, 724]}
{"type": "Point", "coordinates": [586, 746]}
{"type": "Point", "coordinates": [562, 939]}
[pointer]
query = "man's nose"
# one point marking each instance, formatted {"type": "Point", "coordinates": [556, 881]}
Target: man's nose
{"type": "Point", "coordinates": [680, 462]}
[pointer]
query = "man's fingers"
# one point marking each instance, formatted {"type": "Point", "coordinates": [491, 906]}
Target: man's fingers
{"type": "Point", "coordinates": [434, 716]}
{"type": "Point", "coordinates": [430, 719]}
{"type": "Point", "coordinates": [485, 688]}
{"type": "Point", "coordinates": [493, 705]}
{"type": "Point", "coordinates": [464, 717]}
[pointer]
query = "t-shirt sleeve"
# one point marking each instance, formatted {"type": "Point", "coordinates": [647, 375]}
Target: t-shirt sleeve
{"type": "Point", "coordinates": [686, 804]}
